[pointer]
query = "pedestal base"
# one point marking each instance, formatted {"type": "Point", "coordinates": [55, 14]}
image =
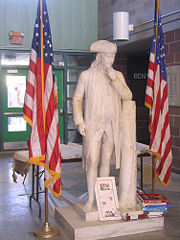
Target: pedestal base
{"type": "Point", "coordinates": [46, 232]}
{"type": "Point", "coordinates": [79, 229]}
{"type": "Point", "coordinates": [87, 216]}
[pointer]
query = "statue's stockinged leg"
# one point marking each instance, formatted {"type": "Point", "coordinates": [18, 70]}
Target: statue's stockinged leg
{"type": "Point", "coordinates": [91, 175]}
{"type": "Point", "coordinates": [128, 168]}
{"type": "Point", "coordinates": [106, 153]}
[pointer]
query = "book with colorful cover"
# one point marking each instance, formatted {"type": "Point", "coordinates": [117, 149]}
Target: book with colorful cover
{"type": "Point", "coordinates": [154, 204]}
{"type": "Point", "coordinates": [150, 206]}
{"type": "Point", "coordinates": [154, 209]}
{"type": "Point", "coordinates": [152, 198]}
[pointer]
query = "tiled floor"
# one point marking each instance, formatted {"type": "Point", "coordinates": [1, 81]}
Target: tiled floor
{"type": "Point", "coordinates": [18, 221]}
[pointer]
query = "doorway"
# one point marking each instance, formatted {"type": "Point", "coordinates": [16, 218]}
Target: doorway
{"type": "Point", "coordinates": [16, 132]}
{"type": "Point", "coordinates": [137, 68]}
{"type": "Point", "coordinates": [59, 81]}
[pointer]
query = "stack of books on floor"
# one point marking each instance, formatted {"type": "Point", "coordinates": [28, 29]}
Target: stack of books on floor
{"type": "Point", "coordinates": [154, 205]}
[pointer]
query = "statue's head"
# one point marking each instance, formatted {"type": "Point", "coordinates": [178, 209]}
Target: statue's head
{"type": "Point", "coordinates": [106, 52]}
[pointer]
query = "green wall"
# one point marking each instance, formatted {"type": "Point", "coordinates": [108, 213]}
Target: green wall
{"type": "Point", "coordinates": [73, 22]}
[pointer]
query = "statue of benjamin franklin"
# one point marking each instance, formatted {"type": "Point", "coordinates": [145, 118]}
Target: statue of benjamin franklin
{"type": "Point", "coordinates": [99, 120]}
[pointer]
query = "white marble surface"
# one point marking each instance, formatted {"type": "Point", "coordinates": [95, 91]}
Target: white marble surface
{"type": "Point", "coordinates": [78, 229]}
{"type": "Point", "coordinates": [128, 169]}
{"type": "Point", "coordinates": [91, 215]}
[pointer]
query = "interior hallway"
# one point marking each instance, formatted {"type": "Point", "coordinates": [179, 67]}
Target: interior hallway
{"type": "Point", "coordinates": [18, 221]}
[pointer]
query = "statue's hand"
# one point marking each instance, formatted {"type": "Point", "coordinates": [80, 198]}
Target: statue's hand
{"type": "Point", "coordinates": [111, 73]}
{"type": "Point", "coordinates": [81, 129]}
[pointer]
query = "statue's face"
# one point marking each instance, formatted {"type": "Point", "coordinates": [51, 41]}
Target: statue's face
{"type": "Point", "coordinates": [107, 60]}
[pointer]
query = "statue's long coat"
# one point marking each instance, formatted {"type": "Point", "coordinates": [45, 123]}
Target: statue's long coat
{"type": "Point", "coordinates": [87, 87]}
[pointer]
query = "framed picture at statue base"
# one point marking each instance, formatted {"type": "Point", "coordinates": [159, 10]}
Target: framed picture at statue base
{"type": "Point", "coordinates": [107, 200]}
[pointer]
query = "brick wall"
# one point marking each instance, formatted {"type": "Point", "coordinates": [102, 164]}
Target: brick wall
{"type": "Point", "coordinates": [175, 135]}
{"type": "Point", "coordinates": [172, 47]}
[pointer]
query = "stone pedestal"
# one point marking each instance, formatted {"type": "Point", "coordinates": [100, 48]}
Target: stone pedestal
{"type": "Point", "coordinates": [87, 216]}
{"type": "Point", "coordinates": [78, 229]}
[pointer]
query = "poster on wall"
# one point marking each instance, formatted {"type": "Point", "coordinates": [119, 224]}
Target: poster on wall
{"type": "Point", "coordinates": [16, 86]}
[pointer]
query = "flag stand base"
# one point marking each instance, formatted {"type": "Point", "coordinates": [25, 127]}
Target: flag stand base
{"type": "Point", "coordinates": [47, 231]}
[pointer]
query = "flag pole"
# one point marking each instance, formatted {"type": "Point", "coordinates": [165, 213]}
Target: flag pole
{"type": "Point", "coordinates": [156, 99]}
{"type": "Point", "coordinates": [153, 174]}
{"type": "Point", "coordinates": [47, 231]}
{"type": "Point", "coordinates": [153, 158]}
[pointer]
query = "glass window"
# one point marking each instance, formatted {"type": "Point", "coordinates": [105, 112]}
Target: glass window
{"type": "Point", "coordinates": [73, 75]}
{"type": "Point", "coordinates": [16, 86]}
{"type": "Point", "coordinates": [9, 59]}
{"type": "Point", "coordinates": [72, 135]}
{"type": "Point", "coordinates": [16, 124]}
{"type": "Point", "coordinates": [70, 90]}
{"type": "Point", "coordinates": [79, 60]}
{"type": "Point", "coordinates": [71, 122]}
{"type": "Point", "coordinates": [69, 106]}
{"type": "Point", "coordinates": [59, 60]}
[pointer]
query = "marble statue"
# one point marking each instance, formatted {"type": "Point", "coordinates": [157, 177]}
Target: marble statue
{"type": "Point", "coordinates": [99, 119]}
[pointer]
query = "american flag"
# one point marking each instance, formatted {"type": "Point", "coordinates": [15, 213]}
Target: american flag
{"type": "Point", "coordinates": [40, 104]}
{"type": "Point", "coordinates": [156, 99]}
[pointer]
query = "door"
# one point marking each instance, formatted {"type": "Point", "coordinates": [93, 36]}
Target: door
{"type": "Point", "coordinates": [59, 82]}
{"type": "Point", "coordinates": [137, 66]}
{"type": "Point", "coordinates": [15, 130]}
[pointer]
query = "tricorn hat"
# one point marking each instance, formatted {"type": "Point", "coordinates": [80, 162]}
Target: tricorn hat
{"type": "Point", "coordinates": [103, 46]}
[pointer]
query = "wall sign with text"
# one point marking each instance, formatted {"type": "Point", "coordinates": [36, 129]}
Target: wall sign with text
{"type": "Point", "coordinates": [16, 37]}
